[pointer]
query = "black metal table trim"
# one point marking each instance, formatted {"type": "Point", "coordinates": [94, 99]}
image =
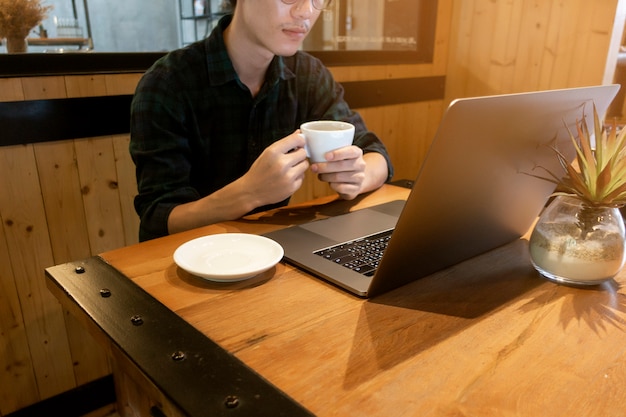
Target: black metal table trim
{"type": "Point", "coordinates": [192, 371]}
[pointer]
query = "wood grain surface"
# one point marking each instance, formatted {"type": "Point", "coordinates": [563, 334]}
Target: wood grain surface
{"type": "Point", "coordinates": [486, 337]}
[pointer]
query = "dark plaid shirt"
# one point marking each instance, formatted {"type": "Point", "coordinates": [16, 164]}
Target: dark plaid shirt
{"type": "Point", "coordinates": [196, 128]}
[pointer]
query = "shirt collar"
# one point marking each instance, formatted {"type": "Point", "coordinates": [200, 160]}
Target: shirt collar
{"type": "Point", "coordinates": [220, 67]}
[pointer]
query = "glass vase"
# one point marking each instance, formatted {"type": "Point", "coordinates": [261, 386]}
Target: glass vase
{"type": "Point", "coordinates": [16, 44]}
{"type": "Point", "coordinates": [574, 243]}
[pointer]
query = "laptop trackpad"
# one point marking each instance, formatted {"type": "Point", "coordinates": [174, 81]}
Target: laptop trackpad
{"type": "Point", "coordinates": [358, 223]}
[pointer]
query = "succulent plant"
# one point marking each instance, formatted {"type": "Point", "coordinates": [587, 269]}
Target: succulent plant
{"type": "Point", "coordinates": [598, 174]}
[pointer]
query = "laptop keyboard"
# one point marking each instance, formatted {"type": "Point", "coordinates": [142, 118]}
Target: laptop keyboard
{"type": "Point", "coordinates": [361, 255]}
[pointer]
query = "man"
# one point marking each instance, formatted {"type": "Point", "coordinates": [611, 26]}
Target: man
{"type": "Point", "coordinates": [214, 125]}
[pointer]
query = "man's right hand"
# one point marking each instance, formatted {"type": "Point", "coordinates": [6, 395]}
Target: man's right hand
{"type": "Point", "coordinates": [278, 172]}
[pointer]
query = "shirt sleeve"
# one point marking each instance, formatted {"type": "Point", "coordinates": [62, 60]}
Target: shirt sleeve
{"type": "Point", "coordinates": [160, 151]}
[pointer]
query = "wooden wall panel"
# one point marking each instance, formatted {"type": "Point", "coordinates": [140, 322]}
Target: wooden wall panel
{"type": "Point", "coordinates": [45, 222]}
{"type": "Point", "coordinates": [407, 130]}
{"type": "Point", "coordinates": [11, 90]}
{"type": "Point", "coordinates": [60, 185]}
{"type": "Point", "coordinates": [121, 83]}
{"type": "Point", "coordinates": [127, 186]}
{"type": "Point", "coordinates": [527, 45]}
{"type": "Point", "coordinates": [85, 85]}
{"type": "Point", "coordinates": [98, 183]}
{"type": "Point", "coordinates": [23, 215]}
{"type": "Point", "coordinates": [37, 88]}
{"type": "Point", "coordinates": [17, 373]}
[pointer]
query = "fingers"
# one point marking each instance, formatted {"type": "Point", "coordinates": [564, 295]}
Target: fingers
{"type": "Point", "coordinates": [348, 159]}
{"type": "Point", "coordinates": [289, 143]}
{"type": "Point", "coordinates": [342, 159]}
{"type": "Point", "coordinates": [345, 153]}
{"type": "Point", "coordinates": [344, 171]}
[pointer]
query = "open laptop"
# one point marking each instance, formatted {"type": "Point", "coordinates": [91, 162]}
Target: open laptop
{"type": "Point", "coordinates": [472, 194]}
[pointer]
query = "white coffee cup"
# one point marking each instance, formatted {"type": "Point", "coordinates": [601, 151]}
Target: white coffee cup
{"type": "Point", "coordinates": [323, 136]}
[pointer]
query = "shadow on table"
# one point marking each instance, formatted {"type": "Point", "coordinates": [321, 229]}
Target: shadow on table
{"type": "Point", "coordinates": [472, 288]}
{"type": "Point", "coordinates": [176, 275]}
{"type": "Point", "coordinates": [404, 322]}
{"type": "Point", "coordinates": [596, 307]}
{"type": "Point", "coordinates": [306, 212]}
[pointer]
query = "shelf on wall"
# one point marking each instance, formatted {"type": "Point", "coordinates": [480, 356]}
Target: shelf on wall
{"type": "Point", "coordinates": [80, 42]}
{"type": "Point", "coordinates": [197, 20]}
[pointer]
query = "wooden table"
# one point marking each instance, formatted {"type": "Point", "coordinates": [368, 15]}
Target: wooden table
{"type": "Point", "coordinates": [487, 337]}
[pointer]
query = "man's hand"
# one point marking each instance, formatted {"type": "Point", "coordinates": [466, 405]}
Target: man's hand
{"type": "Point", "coordinates": [351, 173]}
{"type": "Point", "coordinates": [278, 172]}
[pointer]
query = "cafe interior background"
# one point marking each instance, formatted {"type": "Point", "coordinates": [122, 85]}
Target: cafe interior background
{"type": "Point", "coordinates": [163, 25]}
{"type": "Point", "coordinates": [71, 198]}
{"type": "Point", "coordinates": [113, 26]}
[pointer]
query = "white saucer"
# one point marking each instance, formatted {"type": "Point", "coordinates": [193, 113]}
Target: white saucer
{"type": "Point", "coordinates": [228, 257]}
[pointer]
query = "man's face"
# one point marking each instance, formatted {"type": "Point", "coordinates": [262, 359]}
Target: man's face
{"type": "Point", "coordinates": [275, 26]}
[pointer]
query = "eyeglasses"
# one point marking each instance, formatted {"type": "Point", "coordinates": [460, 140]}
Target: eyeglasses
{"type": "Point", "coordinates": [318, 4]}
